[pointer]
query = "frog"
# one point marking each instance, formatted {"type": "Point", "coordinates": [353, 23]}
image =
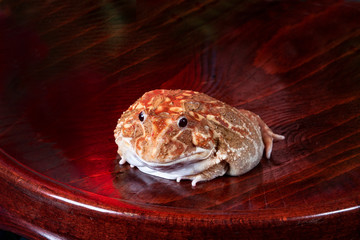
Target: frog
{"type": "Point", "coordinates": [189, 135]}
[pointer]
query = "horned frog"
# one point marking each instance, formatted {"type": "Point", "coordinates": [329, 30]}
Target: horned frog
{"type": "Point", "coordinates": [183, 134]}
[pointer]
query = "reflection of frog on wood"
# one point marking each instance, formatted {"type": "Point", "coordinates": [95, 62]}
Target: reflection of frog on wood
{"type": "Point", "coordinates": [181, 134]}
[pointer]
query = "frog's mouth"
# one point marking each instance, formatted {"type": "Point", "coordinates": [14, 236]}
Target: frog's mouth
{"type": "Point", "coordinates": [200, 160]}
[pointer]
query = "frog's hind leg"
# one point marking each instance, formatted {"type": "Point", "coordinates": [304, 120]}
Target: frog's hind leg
{"type": "Point", "coordinates": [268, 136]}
{"type": "Point", "coordinates": [215, 171]}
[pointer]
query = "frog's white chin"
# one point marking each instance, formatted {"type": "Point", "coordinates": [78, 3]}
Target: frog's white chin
{"type": "Point", "coordinates": [184, 166]}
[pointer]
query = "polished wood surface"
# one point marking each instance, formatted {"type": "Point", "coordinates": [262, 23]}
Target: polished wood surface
{"type": "Point", "coordinates": [68, 69]}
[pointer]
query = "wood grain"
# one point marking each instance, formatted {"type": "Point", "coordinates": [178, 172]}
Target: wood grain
{"type": "Point", "coordinates": [69, 69]}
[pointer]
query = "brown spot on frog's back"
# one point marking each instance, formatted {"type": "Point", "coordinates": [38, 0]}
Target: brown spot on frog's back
{"type": "Point", "coordinates": [191, 105]}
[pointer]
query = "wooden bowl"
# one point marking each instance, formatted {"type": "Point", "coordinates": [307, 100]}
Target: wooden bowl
{"type": "Point", "coordinates": [69, 69]}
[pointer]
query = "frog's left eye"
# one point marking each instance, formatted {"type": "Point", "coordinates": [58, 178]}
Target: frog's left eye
{"type": "Point", "coordinates": [142, 116]}
{"type": "Point", "coordinates": [182, 122]}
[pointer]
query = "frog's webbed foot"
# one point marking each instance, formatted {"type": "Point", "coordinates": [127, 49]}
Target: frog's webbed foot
{"type": "Point", "coordinates": [267, 134]}
{"type": "Point", "coordinates": [268, 137]}
{"type": "Point", "coordinates": [215, 171]}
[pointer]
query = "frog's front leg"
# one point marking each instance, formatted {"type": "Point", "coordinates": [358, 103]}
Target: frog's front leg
{"type": "Point", "coordinates": [214, 171]}
{"type": "Point", "coordinates": [267, 134]}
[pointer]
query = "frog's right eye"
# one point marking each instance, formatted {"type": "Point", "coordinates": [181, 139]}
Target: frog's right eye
{"type": "Point", "coordinates": [142, 116]}
{"type": "Point", "coordinates": [182, 122]}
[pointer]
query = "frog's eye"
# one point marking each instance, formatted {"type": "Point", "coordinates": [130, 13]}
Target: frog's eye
{"type": "Point", "coordinates": [142, 116]}
{"type": "Point", "coordinates": [182, 122]}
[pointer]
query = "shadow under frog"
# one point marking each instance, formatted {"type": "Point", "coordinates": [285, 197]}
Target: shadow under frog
{"type": "Point", "coordinates": [220, 194]}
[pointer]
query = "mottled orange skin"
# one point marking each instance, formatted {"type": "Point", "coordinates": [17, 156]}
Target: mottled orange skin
{"type": "Point", "coordinates": [224, 139]}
